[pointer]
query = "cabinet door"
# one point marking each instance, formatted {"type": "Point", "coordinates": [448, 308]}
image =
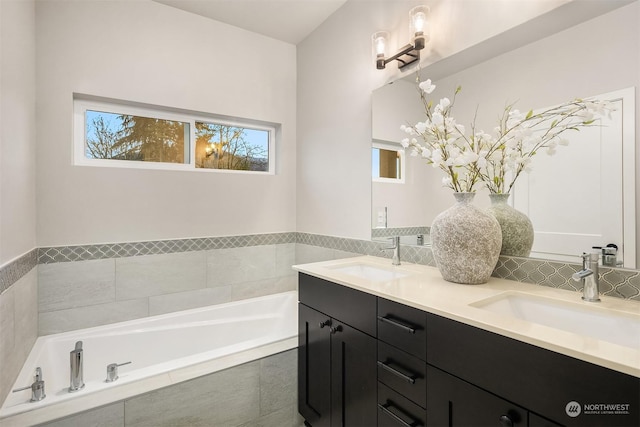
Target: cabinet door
{"type": "Point", "coordinates": [538, 421]}
{"type": "Point", "coordinates": [353, 378]}
{"type": "Point", "coordinates": [456, 403]}
{"type": "Point", "coordinates": [314, 366]}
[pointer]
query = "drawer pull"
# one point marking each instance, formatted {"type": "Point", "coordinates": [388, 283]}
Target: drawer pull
{"type": "Point", "coordinates": [398, 324]}
{"type": "Point", "coordinates": [404, 376]}
{"type": "Point", "coordinates": [399, 420]}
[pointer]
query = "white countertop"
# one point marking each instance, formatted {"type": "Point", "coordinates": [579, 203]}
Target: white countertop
{"type": "Point", "coordinates": [424, 288]}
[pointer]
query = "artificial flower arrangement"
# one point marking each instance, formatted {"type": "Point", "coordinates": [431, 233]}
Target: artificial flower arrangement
{"type": "Point", "coordinates": [495, 159]}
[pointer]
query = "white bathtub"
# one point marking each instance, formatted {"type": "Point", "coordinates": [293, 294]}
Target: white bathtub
{"type": "Point", "coordinates": [163, 350]}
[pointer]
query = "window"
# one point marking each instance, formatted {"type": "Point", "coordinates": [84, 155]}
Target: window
{"type": "Point", "coordinates": [387, 163]}
{"type": "Point", "coordinates": [115, 134]}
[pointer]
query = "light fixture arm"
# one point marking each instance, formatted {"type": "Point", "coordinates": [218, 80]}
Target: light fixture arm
{"type": "Point", "coordinates": [407, 55]}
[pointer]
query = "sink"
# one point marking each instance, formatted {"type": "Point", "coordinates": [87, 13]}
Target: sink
{"type": "Point", "coordinates": [371, 272]}
{"type": "Point", "coordinates": [613, 326]}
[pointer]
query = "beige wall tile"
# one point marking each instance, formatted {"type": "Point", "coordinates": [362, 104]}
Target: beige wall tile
{"type": "Point", "coordinates": [238, 265]}
{"type": "Point", "coordinates": [149, 275]}
{"type": "Point", "coordinates": [226, 398]}
{"type": "Point", "coordinates": [191, 299]}
{"type": "Point", "coordinates": [76, 284]}
{"type": "Point", "coordinates": [53, 322]}
{"type": "Point", "coordinates": [106, 416]}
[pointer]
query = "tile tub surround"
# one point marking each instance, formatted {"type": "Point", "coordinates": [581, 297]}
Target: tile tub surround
{"type": "Point", "coordinates": [258, 393]}
{"type": "Point", "coordinates": [18, 328]}
{"type": "Point", "coordinates": [80, 294]}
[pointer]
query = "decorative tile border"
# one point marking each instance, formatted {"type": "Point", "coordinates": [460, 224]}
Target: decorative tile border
{"type": "Point", "coordinates": [398, 231]}
{"type": "Point", "coordinates": [121, 250]}
{"type": "Point", "coordinates": [616, 282]}
{"type": "Point", "coordinates": [12, 272]}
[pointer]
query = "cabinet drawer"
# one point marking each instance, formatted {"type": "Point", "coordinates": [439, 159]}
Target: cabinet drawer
{"type": "Point", "coordinates": [395, 410]}
{"type": "Point", "coordinates": [403, 373]}
{"type": "Point", "coordinates": [403, 327]}
{"type": "Point", "coordinates": [355, 308]}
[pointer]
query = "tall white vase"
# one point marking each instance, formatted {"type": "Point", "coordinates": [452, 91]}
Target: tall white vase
{"type": "Point", "coordinates": [517, 230]}
{"type": "Point", "coordinates": [466, 242]}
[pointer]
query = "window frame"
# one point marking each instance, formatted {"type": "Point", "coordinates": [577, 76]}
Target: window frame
{"type": "Point", "coordinates": [401, 155]}
{"type": "Point", "coordinates": [83, 103]}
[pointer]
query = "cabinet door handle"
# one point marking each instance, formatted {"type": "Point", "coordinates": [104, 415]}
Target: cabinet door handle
{"type": "Point", "coordinates": [394, 371]}
{"type": "Point", "coordinates": [397, 324]}
{"type": "Point", "coordinates": [393, 416]}
{"type": "Point", "coordinates": [336, 329]}
{"type": "Point", "coordinates": [325, 323]}
{"type": "Point", "coordinates": [505, 421]}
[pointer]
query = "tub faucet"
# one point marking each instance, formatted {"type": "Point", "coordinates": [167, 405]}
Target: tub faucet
{"type": "Point", "coordinates": [589, 277]}
{"type": "Point", "coordinates": [37, 388]}
{"type": "Point", "coordinates": [76, 381]}
{"type": "Point", "coordinates": [395, 248]}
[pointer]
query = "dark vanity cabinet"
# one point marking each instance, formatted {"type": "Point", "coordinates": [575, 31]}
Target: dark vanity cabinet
{"type": "Point", "coordinates": [402, 366]}
{"type": "Point", "coordinates": [367, 361]}
{"type": "Point", "coordinates": [336, 355]}
{"type": "Point", "coordinates": [525, 384]}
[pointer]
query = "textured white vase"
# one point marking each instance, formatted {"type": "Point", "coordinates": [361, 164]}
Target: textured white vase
{"type": "Point", "coordinates": [517, 230]}
{"type": "Point", "coordinates": [466, 242]}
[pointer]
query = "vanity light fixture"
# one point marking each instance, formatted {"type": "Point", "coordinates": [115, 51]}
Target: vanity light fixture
{"type": "Point", "coordinates": [410, 53]}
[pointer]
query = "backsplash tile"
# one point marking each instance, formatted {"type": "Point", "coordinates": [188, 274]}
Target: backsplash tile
{"type": "Point", "coordinates": [377, 233]}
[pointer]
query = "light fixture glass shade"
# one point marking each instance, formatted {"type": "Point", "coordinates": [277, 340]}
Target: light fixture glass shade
{"type": "Point", "coordinates": [379, 42]}
{"type": "Point", "coordinates": [419, 26]}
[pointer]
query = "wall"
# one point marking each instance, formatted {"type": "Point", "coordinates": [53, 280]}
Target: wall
{"type": "Point", "coordinates": [18, 310]}
{"type": "Point", "coordinates": [148, 52]}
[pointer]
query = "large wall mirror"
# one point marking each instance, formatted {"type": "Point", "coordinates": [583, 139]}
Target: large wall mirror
{"type": "Point", "coordinates": [582, 196]}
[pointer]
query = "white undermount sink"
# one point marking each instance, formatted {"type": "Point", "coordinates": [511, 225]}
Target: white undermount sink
{"type": "Point", "coordinates": [582, 318]}
{"type": "Point", "coordinates": [370, 272]}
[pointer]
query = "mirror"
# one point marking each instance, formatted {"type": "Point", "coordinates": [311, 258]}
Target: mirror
{"type": "Point", "coordinates": [523, 76]}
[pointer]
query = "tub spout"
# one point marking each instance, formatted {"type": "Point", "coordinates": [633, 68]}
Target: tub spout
{"type": "Point", "coordinates": [76, 381]}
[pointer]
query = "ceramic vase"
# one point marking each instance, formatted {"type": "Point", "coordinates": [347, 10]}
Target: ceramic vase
{"type": "Point", "coordinates": [466, 242]}
{"type": "Point", "coordinates": [517, 230]}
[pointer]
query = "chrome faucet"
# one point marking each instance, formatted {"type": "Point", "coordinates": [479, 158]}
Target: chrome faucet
{"type": "Point", "coordinates": [37, 388]}
{"type": "Point", "coordinates": [76, 381]}
{"type": "Point", "coordinates": [396, 250]}
{"type": "Point", "coordinates": [589, 277]}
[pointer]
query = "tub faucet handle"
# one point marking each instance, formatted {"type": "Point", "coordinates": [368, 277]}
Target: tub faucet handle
{"type": "Point", "coordinates": [37, 388]}
{"type": "Point", "coordinates": [112, 371]}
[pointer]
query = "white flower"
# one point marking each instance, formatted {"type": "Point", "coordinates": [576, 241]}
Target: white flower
{"type": "Point", "coordinates": [551, 151]}
{"type": "Point", "coordinates": [446, 181]}
{"type": "Point", "coordinates": [421, 127]}
{"type": "Point", "coordinates": [405, 142]}
{"type": "Point", "coordinates": [426, 86]}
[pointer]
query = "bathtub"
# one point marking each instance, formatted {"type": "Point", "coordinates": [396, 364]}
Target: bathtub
{"type": "Point", "coordinates": [163, 350]}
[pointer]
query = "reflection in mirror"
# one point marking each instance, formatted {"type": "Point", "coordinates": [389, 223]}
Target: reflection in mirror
{"type": "Point", "coordinates": [387, 163]}
{"type": "Point", "coordinates": [524, 76]}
